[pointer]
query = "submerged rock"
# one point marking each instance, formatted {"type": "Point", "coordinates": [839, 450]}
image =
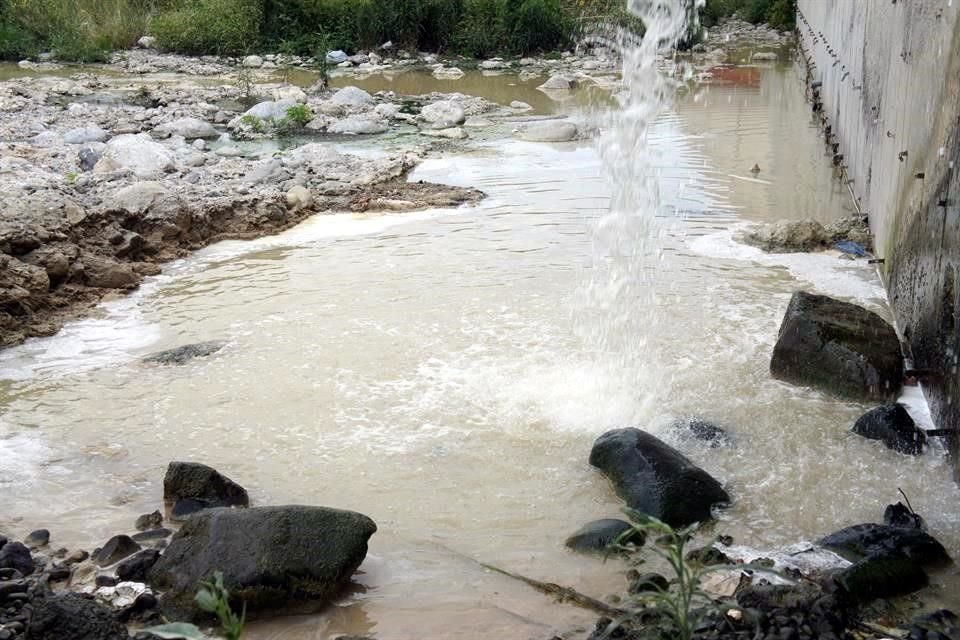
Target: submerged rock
{"type": "Point", "coordinates": [892, 425]}
{"type": "Point", "coordinates": [269, 556]}
{"type": "Point", "coordinates": [656, 479]}
{"type": "Point", "coordinates": [703, 430]}
{"type": "Point", "coordinates": [357, 125]}
{"type": "Point", "coordinates": [182, 355]}
{"type": "Point", "coordinates": [442, 114]}
{"type": "Point", "coordinates": [549, 131]}
{"type": "Point", "coordinates": [837, 347]}
{"type": "Point", "coordinates": [596, 536]}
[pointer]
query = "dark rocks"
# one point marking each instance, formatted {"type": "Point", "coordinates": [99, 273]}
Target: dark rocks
{"type": "Point", "coordinates": [708, 556]}
{"type": "Point", "coordinates": [37, 539]}
{"type": "Point", "coordinates": [703, 430]}
{"type": "Point", "coordinates": [598, 535]}
{"type": "Point", "coordinates": [269, 556]}
{"type": "Point", "coordinates": [656, 479]}
{"type": "Point", "coordinates": [149, 521]}
{"type": "Point", "coordinates": [106, 580]}
{"type": "Point", "coordinates": [192, 487]}
{"type": "Point", "coordinates": [892, 425]}
{"type": "Point", "coordinates": [837, 347]}
{"type": "Point", "coordinates": [116, 549]}
{"type": "Point", "coordinates": [640, 583]}
{"type": "Point", "coordinates": [15, 555]}
{"type": "Point", "coordinates": [70, 616]}
{"type": "Point", "coordinates": [940, 625]}
{"type": "Point", "coordinates": [182, 355]}
{"type": "Point", "coordinates": [900, 515]}
{"type": "Point", "coordinates": [136, 567]}
{"type": "Point", "coordinates": [882, 575]}
{"type": "Point", "coordinates": [152, 534]}
{"type": "Point", "coordinates": [863, 540]}
{"type": "Point", "coordinates": [107, 273]}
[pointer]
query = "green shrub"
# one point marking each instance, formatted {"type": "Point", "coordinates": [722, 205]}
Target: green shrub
{"type": "Point", "coordinates": [77, 30]}
{"type": "Point", "coordinates": [209, 26]}
{"type": "Point", "coordinates": [538, 25]}
{"type": "Point", "coordinates": [482, 30]}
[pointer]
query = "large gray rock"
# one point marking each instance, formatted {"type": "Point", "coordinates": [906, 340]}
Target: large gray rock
{"type": "Point", "coordinates": [358, 126]}
{"type": "Point", "coordinates": [549, 131]}
{"type": "Point", "coordinates": [351, 97]}
{"type": "Point", "coordinates": [269, 556]}
{"type": "Point", "coordinates": [442, 114]}
{"type": "Point", "coordinates": [559, 82]}
{"type": "Point", "coordinates": [82, 135]}
{"type": "Point", "coordinates": [192, 480]}
{"type": "Point", "coordinates": [71, 616]}
{"type": "Point", "coordinates": [837, 347]}
{"type": "Point", "coordinates": [141, 197]}
{"type": "Point", "coordinates": [136, 152]}
{"type": "Point", "coordinates": [270, 110]}
{"type": "Point", "coordinates": [656, 479]}
{"type": "Point", "coordinates": [189, 128]}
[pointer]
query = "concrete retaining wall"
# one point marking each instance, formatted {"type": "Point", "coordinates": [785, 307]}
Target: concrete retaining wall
{"type": "Point", "coordinates": [885, 80]}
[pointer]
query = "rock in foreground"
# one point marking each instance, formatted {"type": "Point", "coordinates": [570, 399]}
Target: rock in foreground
{"type": "Point", "coordinates": [269, 556]}
{"type": "Point", "coordinates": [71, 616]}
{"type": "Point", "coordinates": [656, 479]}
{"type": "Point", "coordinates": [837, 347]}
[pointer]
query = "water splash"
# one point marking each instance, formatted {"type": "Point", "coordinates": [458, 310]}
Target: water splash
{"type": "Point", "coordinates": [626, 246]}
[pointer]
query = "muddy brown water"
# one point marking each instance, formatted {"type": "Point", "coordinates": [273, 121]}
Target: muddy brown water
{"type": "Point", "coordinates": [429, 370]}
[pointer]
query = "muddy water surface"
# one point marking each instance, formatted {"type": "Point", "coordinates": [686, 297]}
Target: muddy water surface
{"type": "Point", "coordinates": [430, 371]}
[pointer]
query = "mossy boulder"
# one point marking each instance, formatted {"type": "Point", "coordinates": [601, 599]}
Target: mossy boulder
{"type": "Point", "coordinates": [839, 348]}
{"type": "Point", "coordinates": [270, 557]}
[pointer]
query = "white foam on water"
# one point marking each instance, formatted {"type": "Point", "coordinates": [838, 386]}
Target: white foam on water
{"type": "Point", "coordinates": [828, 271]}
{"type": "Point", "coordinates": [118, 331]}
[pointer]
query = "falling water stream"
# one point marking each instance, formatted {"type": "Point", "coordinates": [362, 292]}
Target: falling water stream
{"type": "Point", "coordinates": [446, 372]}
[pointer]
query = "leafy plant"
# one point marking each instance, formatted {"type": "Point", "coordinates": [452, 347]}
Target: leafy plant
{"type": "Point", "coordinates": [209, 26]}
{"type": "Point", "coordinates": [214, 597]}
{"type": "Point", "coordinates": [299, 114]}
{"type": "Point", "coordinates": [677, 610]}
{"type": "Point", "coordinates": [253, 123]}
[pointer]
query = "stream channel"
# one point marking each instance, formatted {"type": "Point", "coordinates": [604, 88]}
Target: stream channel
{"type": "Point", "coordinates": [430, 370]}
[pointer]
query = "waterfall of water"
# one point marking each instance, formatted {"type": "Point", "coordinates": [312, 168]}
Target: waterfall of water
{"type": "Point", "coordinates": [619, 297]}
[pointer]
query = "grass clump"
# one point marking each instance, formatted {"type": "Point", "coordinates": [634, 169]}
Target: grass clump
{"type": "Point", "coordinates": [73, 30]}
{"type": "Point", "coordinates": [222, 27]}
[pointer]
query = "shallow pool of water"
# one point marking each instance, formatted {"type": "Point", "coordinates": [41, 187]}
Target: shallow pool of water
{"type": "Point", "coordinates": [431, 370]}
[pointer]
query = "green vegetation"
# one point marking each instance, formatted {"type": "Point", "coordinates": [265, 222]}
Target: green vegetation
{"type": "Point", "coordinates": [80, 30]}
{"type": "Point", "coordinates": [781, 14]}
{"type": "Point", "coordinates": [213, 597]}
{"type": "Point", "coordinates": [87, 30]}
{"type": "Point", "coordinates": [683, 605]}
